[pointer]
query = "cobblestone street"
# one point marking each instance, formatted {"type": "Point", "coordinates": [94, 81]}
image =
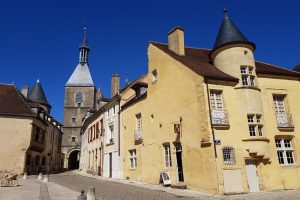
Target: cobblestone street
{"type": "Point", "coordinates": [111, 190]}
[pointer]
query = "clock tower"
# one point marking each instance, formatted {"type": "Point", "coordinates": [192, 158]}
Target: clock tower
{"type": "Point", "coordinates": [79, 98]}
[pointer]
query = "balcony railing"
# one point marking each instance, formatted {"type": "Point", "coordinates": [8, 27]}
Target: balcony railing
{"type": "Point", "coordinates": [219, 117]}
{"type": "Point", "coordinates": [138, 135]}
{"type": "Point", "coordinates": [284, 120]}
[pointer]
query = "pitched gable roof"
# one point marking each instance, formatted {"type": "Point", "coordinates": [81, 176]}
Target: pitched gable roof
{"type": "Point", "coordinates": [199, 61]}
{"type": "Point", "coordinates": [12, 102]}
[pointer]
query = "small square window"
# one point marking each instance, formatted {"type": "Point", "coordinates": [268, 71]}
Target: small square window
{"type": "Point", "coordinates": [243, 70]}
{"type": "Point", "coordinates": [250, 119]}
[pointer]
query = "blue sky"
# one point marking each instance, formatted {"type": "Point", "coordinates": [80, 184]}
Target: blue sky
{"type": "Point", "coordinates": [40, 39]}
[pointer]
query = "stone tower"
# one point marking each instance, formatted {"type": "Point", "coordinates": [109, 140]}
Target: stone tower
{"type": "Point", "coordinates": [79, 98]}
{"type": "Point", "coordinates": [233, 54]}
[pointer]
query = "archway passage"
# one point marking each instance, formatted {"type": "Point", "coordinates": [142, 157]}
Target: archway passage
{"type": "Point", "coordinates": [73, 162]}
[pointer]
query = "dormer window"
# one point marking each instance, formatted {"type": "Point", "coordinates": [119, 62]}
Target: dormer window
{"type": "Point", "coordinates": [248, 77]}
{"type": "Point", "coordinates": [139, 88]}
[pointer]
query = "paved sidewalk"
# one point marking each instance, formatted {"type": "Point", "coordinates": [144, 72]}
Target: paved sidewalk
{"type": "Point", "coordinates": [177, 192]}
{"type": "Point", "coordinates": [30, 190]}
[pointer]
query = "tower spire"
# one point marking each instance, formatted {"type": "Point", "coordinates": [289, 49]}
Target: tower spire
{"type": "Point", "coordinates": [84, 49]}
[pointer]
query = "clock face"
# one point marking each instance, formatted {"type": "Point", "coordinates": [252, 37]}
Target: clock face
{"type": "Point", "coordinates": [79, 97]}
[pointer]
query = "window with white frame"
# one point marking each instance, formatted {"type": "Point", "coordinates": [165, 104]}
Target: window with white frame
{"type": "Point", "coordinates": [154, 76]}
{"type": "Point", "coordinates": [133, 160]}
{"type": "Point", "coordinates": [285, 151]}
{"type": "Point", "coordinates": [248, 77]}
{"type": "Point", "coordinates": [139, 121]}
{"type": "Point", "coordinates": [228, 155]}
{"type": "Point", "coordinates": [255, 125]}
{"type": "Point", "coordinates": [216, 102]}
{"type": "Point", "coordinates": [279, 104]}
{"type": "Point", "coordinates": [168, 158]}
{"type": "Point", "coordinates": [110, 135]}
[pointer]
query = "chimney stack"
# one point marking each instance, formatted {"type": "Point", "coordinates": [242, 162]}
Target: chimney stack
{"type": "Point", "coordinates": [176, 40]}
{"type": "Point", "coordinates": [25, 90]}
{"type": "Point", "coordinates": [297, 67]}
{"type": "Point", "coordinates": [115, 84]}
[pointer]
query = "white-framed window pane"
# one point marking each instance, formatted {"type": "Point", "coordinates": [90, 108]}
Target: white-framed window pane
{"type": "Point", "coordinates": [279, 104]}
{"type": "Point", "coordinates": [287, 144]}
{"type": "Point", "coordinates": [244, 80]}
{"type": "Point", "coordinates": [252, 130]}
{"type": "Point", "coordinates": [243, 70]}
{"type": "Point", "coordinates": [250, 119]}
{"type": "Point", "coordinates": [290, 157]}
{"type": "Point", "coordinates": [168, 155]}
{"type": "Point", "coordinates": [216, 101]}
{"type": "Point", "coordinates": [285, 152]}
{"type": "Point", "coordinates": [280, 157]}
{"type": "Point", "coordinates": [252, 83]}
{"type": "Point", "coordinates": [260, 131]}
{"type": "Point", "coordinates": [278, 143]}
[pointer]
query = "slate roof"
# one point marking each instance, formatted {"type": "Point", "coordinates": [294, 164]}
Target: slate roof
{"type": "Point", "coordinates": [230, 34]}
{"type": "Point", "coordinates": [37, 94]}
{"type": "Point", "coordinates": [81, 76]}
{"type": "Point", "coordinates": [199, 61]}
{"type": "Point", "coordinates": [12, 102]}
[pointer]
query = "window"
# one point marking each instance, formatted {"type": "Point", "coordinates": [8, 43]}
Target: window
{"type": "Point", "coordinates": [114, 108]}
{"type": "Point", "coordinates": [154, 76]}
{"type": "Point", "coordinates": [279, 104]}
{"type": "Point", "coordinates": [73, 139]}
{"type": "Point", "coordinates": [168, 155]}
{"type": "Point", "coordinates": [97, 130]}
{"type": "Point", "coordinates": [248, 77]}
{"type": "Point", "coordinates": [139, 121]}
{"type": "Point", "coordinates": [255, 125]}
{"type": "Point", "coordinates": [78, 98]}
{"type": "Point", "coordinates": [110, 135]}
{"type": "Point", "coordinates": [133, 161]}
{"type": "Point", "coordinates": [73, 121]}
{"type": "Point", "coordinates": [228, 155]}
{"type": "Point", "coordinates": [216, 102]}
{"type": "Point", "coordinates": [285, 152]}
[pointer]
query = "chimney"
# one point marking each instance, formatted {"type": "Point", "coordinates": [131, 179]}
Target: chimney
{"type": "Point", "coordinates": [176, 40]}
{"type": "Point", "coordinates": [115, 84]}
{"type": "Point", "coordinates": [25, 90]}
{"type": "Point", "coordinates": [297, 67]}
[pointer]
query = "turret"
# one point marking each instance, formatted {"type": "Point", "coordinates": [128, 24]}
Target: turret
{"type": "Point", "coordinates": [233, 53]}
{"type": "Point", "coordinates": [37, 95]}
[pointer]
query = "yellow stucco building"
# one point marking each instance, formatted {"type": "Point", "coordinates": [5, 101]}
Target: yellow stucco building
{"type": "Point", "coordinates": [216, 120]}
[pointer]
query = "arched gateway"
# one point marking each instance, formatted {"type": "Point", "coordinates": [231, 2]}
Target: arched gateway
{"type": "Point", "coordinates": [73, 159]}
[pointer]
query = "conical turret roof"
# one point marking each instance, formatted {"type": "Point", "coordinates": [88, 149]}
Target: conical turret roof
{"type": "Point", "coordinates": [230, 34]}
{"type": "Point", "coordinates": [37, 94]}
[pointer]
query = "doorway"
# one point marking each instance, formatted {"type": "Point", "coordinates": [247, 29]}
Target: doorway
{"type": "Point", "coordinates": [73, 161]}
{"type": "Point", "coordinates": [179, 161]}
{"type": "Point", "coordinates": [252, 177]}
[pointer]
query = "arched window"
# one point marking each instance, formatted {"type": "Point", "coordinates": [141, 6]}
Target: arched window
{"type": "Point", "coordinates": [79, 98]}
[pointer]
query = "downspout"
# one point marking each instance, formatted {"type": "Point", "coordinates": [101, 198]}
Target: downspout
{"type": "Point", "coordinates": [213, 134]}
{"type": "Point", "coordinates": [210, 118]}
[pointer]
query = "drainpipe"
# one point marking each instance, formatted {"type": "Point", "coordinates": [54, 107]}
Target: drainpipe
{"type": "Point", "coordinates": [213, 134]}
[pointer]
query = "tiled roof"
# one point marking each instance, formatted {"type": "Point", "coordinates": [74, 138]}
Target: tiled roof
{"type": "Point", "coordinates": [12, 102]}
{"type": "Point", "coordinates": [264, 68]}
{"type": "Point", "coordinates": [198, 60]}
